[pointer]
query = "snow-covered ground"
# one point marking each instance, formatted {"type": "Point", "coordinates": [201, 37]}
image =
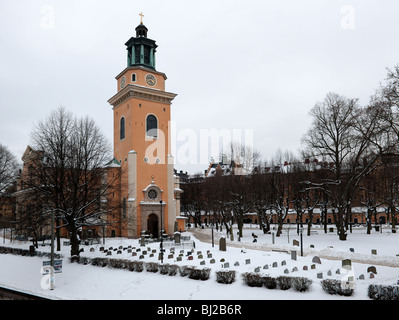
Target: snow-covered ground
{"type": "Point", "coordinates": [79, 281]}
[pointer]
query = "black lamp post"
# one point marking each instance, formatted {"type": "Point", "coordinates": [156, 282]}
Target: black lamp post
{"type": "Point", "coordinates": [301, 232]}
{"type": "Point", "coordinates": [161, 234]}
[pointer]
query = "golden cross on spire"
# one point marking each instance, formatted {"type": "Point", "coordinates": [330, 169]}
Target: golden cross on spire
{"type": "Point", "coordinates": [141, 15]}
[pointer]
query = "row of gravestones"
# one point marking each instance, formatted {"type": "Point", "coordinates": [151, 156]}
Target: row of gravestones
{"type": "Point", "coordinates": [296, 243]}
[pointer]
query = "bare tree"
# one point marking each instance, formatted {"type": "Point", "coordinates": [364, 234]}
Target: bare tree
{"type": "Point", "coordinates": [8, 170]}
{"type": "Point", "coordinates": [69, 177]}
{"type": "Point", "coordinates": [344, 135]}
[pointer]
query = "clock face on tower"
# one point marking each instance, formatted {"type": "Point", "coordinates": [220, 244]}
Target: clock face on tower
{"type": "Point", "coordinates": [150, 80]}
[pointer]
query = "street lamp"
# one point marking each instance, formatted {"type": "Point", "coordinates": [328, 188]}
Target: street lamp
{"type": "Point", "coordinates": [161, 234]}
{"type": "Point", "coordinates": [301, 232]}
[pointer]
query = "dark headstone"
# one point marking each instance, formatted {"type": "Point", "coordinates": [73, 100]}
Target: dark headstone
{"type": "Point", "coordinates": [372, 269]}
{"type": "Point", "coordinates": [316, 259]}
{"type": "Point", "coordinates": [222, 244]}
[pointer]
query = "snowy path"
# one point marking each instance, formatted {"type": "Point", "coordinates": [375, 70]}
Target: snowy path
{"type": "Point", "coordinates": [327, 253]}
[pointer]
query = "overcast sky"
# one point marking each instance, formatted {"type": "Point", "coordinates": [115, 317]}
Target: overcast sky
{"type": "Point", "coordinates": [249, 65]}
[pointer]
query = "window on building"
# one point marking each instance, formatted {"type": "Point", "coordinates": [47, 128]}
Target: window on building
{"type": "Point", "coordinates": [122, 128]}
{"type": "Point", "coordinates": [133, 77]}
{"type": "Point", "coordinates": [152, 126]}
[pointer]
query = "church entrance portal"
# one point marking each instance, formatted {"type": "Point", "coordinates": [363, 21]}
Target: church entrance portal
{"type": "Point", "coordinates": [152, 225]}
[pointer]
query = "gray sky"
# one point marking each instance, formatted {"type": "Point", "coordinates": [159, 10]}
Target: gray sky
{"type": "Point", "coordinates": [248, 65]}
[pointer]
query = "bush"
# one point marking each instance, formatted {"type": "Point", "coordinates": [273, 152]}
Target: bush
{"type": "Point", "coordinates": [270, 282]}
{"type": "Point", "coordinates": [152, 267]}
{"type": "Point", "coordinates": [99, 262]}
{"type": "Point", "coordinates": [284, 282]}
{"type": "Point", "coordinates": [200, 274]}
{"type": "Point", "coordinates": [334, 287]}
{"type": "Point", "coordinates": [301, 284]}
{"type": "Point", "coordinates": [225, 277]}
{"type": "Point", "coordinates": [185, 270]}
{"type": "Point", "coordinates": [138, 266]}
{"type": "Point", "coordinates": [172, 270]}
{"type": "Point", "coordinates": [252, 279]}
{"type": "Point", "coordinates": [163, 268]}
{"type": "Point", "coordinates": [117, 263]}
{"type": "Point", "coordinates": [381, 292]}
{"type": "Point", "coordinates": [169, 269]}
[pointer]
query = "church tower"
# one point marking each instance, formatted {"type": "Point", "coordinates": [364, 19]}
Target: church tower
{"type": "Point", "coordinates": [142, 144]}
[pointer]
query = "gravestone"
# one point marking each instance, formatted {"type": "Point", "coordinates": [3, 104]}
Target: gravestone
{"type": "Point", "coordinates": [177, 237]}
{"type": "Point", "coordinates": [257, 269]}
{"type": "Point", "coordinates": [129, 250]}
{"type": "Point", "coordinates": [109, 253]}
{"type": "Point", "coordinates": [286, 271]}
{"type": "Point", "coordinates": [313, 266]}
{"type": "Point", "coordinates": [247, 261]}
{"type": "Point", "coordinates": [142, 241]}
{"type": "Point", "coordinates": [338, 271]}
{"type": "Point", "coordinates": [119, 252]}
{"type": "Point", "coordinates": [351, 249]}
{"type": "Point", "coordinates": [120, 247]}
{"type": "Point", "coordinates": [266, 266]}
{"type": "Point", "coordinates": [134, 254]}
{"type": "Point", "coordinates": [320, 275]}
{"type": "Point", "coordinates": [329, 273]}
{"type": "Point", "coordinates": [236, 264]}
{"type": "Point", "coordinates": [274, 265]}
{"type": "Point", "coordinates": [101, 249]}
{"type": "Point", "coordinates": [372, 269]}
{"type": "Point", "coordinates": [295, 242]}
{"type": "Point", "coordinates": [190, 257]}
{"type": "Point", "coordinates": [305, 268]}
{"type": "Point", "coordinates": [295, 269]}
{"type": "Point", "coordinates": [312, 246]}
{"type": "Point", "coordinates": [373, 251]}
{"type": "Point", "coordinates": [293, 255]}
{"type": "Point", "coordinates": [226, 265]}
{"type": "Point", "coordinates": [200, 256]}
{"type": "Point", "coordinates": [92, 249]}
{"type": "Point", "coordinates": [347, 264]}
{"type": "Point", "coordinates": [144, 252]}
{"type": "Point", "coordinates": [361, 277]}
{"type": "Point", "coordinates": [141, 257]}
{"type": "Point", "coordinates": [222, 244]}
{"type": "Point", "coordinates": [209, 255]}
{"type": "Point", "coordinates": [151, 255]}
{"type": "Point", "coordinates": [283, 263]}
{"type": "Point", "coordinates": [212, 261]}
{"type": "Point", "coordinates": [371, 275]}
{"type": "Point", "coordinates": [199, 252]}
{"type": "Point", "coordinates": [170, 256]}
{"type": "Point", "coordinates": [316, 259]}
{"type": "Point", "coordinates": [179, 258]}
{"type": "Point", "coordinates": [202, 262]}
{"type": "Point", "coordinates": [222, 260]}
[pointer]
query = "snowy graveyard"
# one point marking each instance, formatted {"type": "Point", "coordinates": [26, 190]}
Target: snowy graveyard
{"type": "Point", "coordinates": [373, 260]}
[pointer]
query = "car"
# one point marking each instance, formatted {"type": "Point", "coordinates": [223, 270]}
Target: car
{"type": "Point", "coordinates": [21, 237]}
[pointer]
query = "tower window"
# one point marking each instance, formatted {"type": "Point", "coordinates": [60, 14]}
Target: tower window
{"type": "Point", "coordinates": [152, 126]}
{"type": "Point", "coordinates": [133, 77]}
{"type": "Point", "coordinates": [122, 128]}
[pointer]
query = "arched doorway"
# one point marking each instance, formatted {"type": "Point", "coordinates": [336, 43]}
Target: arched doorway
{"type": "Point", "coordinates": [152, 225]}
